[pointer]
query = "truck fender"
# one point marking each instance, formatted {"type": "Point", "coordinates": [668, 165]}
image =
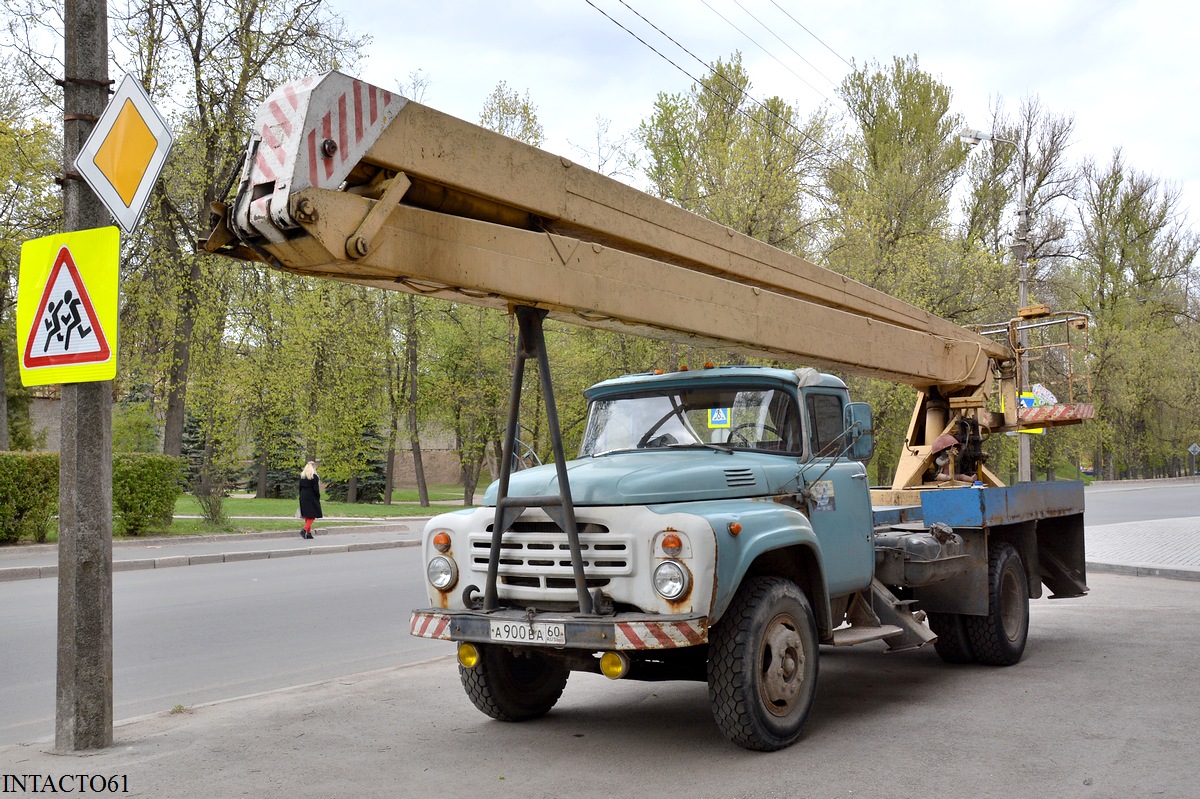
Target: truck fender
{"type": "Point", "coordinates": [775, 541]}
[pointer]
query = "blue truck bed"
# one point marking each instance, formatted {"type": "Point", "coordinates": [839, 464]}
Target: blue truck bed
{"type": "Point", "coordinates": [986, 507]}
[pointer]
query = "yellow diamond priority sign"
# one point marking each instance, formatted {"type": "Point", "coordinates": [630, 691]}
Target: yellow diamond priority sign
{"type": "Point", "coordinates": [124, 155]}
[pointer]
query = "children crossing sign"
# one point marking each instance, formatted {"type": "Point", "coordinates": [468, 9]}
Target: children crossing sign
{"type": "Point", "coordinates": [67, 307]}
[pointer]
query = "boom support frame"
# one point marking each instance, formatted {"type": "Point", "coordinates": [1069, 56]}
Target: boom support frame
{"type": "Point", "coordinates": [531, 344]}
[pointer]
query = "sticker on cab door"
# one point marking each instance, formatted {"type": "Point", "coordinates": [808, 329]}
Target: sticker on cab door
{"type": "Point", "coordinates": [822, 495]}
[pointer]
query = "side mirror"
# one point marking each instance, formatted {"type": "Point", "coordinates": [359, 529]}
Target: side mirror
{"type": "Point", "coordinates": [861, 429]}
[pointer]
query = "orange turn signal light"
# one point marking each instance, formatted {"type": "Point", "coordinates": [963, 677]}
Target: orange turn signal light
{"type": "Point", "coordinates": [441, 541]}
{"type": "Point", "coordinates": [734, 528]}
{"type": "Point", "coordinates": [672, 545]}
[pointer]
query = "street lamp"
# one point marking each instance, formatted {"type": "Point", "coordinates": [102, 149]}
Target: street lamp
{"type": "Point", "coordinates": [1020, 251]}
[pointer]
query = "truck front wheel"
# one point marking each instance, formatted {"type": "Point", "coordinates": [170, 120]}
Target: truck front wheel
{"type": "Point", "coordinates": [998, 639]}
{"type": "Point", "coordinates": [511, 687]}
{"type": "Point", "coordinates": [762, 667]}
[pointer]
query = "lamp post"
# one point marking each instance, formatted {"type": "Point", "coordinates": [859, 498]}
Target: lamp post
{"type": "Point", "coordinates": [1020, 251]}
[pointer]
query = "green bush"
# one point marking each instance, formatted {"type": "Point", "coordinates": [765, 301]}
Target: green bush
{"type": "Point", "coordinates": [28, 494]}
{"type": "Point", "coordinates": [145, 487]}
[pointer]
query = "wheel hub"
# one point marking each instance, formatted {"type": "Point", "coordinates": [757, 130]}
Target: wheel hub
{"type": "Point", "coordinates": [781, 665]}
{"type": "Point", "coordinates": [1010, 606]}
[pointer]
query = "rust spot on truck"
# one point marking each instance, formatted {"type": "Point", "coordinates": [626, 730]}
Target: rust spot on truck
{"type": "Point", "coordinates": [682, 604]}
{"type": "Point", "coordinates": [443, 598]}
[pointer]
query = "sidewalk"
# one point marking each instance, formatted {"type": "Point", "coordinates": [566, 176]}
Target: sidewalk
{"type": "Point", "coordinates": [1160, 548]}
{"type": "Point", "coordinates": [41, 560]}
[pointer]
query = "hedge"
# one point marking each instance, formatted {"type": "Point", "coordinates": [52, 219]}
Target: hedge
{"type": "Point", "coordinates": [145, 487]}
{"type": "Point", "coordinates": [28, 494]}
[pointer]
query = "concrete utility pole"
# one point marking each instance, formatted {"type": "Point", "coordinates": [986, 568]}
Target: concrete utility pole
{"type": "Point", "coordinates": [84, 709]}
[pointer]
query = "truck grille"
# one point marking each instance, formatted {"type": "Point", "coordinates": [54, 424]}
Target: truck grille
{"type": "Point", "coordinates": [535, 554]}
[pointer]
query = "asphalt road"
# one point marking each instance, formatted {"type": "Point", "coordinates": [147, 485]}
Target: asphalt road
{"type": "Point", "coordinates": [1105, 705]}
{"type": "Point", "coordinates": [196, 634]}
{"type": "Point", "coordinates": [1117, 503]}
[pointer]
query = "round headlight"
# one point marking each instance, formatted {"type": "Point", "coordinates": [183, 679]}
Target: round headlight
{"type": "Point", "coordinates": [442, 573]}
{"type": "Point", "coordinates": [671, 579]}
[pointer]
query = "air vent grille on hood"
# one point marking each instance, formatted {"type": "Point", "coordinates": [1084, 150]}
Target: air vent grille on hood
{"type": "Point", "coordinates": [740, 478]}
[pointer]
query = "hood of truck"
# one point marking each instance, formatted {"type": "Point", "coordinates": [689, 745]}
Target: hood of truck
{"type": "Point", "coordinates": [658, 476]}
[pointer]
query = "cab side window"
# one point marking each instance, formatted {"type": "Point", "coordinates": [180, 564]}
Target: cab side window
{"type": "Point", "coordinates": [825, 424]}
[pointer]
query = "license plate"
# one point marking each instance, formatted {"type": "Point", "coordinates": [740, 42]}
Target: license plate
{"type": "Point", "coordinates": [522, 632]}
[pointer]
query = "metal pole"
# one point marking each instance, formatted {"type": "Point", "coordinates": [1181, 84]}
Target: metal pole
{"type": "Point", "coordinates": [84, 690]}
{"type": "Point", "coordinates": [1020, 249]}
{"type": "Point", "coordinates": [1024, 469]}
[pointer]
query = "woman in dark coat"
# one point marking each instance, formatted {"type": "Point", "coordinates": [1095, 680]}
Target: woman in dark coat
{"type": "Point", "coordinates": [310, 498]}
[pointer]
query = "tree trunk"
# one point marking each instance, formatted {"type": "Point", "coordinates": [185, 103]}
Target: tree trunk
{"type": "Point", "coordinates": [419, 471]}
{"type": "Point", "coordinates": [389, 476]}
{"type": "Point", "coordinates": [261, 493]}
{"type": "Point", "coordinates": [410, 343]}
{"type": "Point", "coordinates": [352, 489]}
{"type": "Point", "coordinates": [180, 359]}
{"type": "Point", "coordinates": [4, 440]}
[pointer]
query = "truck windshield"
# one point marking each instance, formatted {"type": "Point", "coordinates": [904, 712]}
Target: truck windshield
{"type": "Point", "coordinates": [736, 418]}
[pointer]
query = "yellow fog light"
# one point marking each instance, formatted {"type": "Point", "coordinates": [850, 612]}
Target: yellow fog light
{"type": "Point", "coordinates": [468, 655]}
{"type": "Point", "coordinates": [614, 665]}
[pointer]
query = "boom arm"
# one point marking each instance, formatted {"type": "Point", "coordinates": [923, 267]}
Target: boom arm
{"type": "Point", "coordinates": [349, 181]}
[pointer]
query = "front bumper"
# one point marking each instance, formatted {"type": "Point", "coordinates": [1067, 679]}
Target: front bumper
{"type": "Point", "coordinates": [622, 631]}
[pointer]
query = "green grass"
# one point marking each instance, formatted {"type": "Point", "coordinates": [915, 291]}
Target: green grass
{"type": "Point", "coordinates": [280, 514]}
{"type": "Point", "coordinates": [186, 505]}
{"type": "Point", "coordinates": [437, 493]}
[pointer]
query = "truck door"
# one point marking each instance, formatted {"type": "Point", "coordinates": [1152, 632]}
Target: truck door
{"type": "Point", "coordinates": [840, 509]}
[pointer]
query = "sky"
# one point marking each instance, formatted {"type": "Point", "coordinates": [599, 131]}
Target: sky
{"type": "Point", "coordinates": [1125, 70]}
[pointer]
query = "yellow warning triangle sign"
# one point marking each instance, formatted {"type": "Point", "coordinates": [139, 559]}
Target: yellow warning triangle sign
{"type": "Point", "coordinates": [66, 330]}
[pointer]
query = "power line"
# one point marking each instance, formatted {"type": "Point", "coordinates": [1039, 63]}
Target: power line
{"type": "Point", "coordinates": [737, 109]}
{"type": "Point", "coordinates": [867, 176]}
{"type": "Point", "coordinates": [810, 33]}
{"type": "Point", "coordinates": [768, 52]}
{"type": "Point", "coordinates": [704, 64]}
{"type": "Point", "coordinates": [784, 42]}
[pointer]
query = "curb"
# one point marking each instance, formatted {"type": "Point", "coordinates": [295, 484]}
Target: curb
{"type": "Point", "coordinates": [1134, 570]}
{"type": "Point", "coordinates": [36, 572]}
{"type": "Point", "coordinates": [263, 535]}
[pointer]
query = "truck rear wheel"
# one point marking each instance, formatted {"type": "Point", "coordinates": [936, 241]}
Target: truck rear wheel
{"type": "Point", "coordinates": [998, 639]}
{"type": "Point", "coordinates": [511, 687]}
{"type": "Point", "coordinates": [952, 644]}
{"type": "Point", "coordinates": [762, 667]}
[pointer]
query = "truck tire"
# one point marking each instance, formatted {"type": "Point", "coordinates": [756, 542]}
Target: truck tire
{"type": "Point", "coordinates": [762, 665]}
{"type": "Point", "coordinates": [998, 639]}
{"type": "Point", "coordinates": [510, 687]}
{"type": "Point", "coordinates": [952, 644]}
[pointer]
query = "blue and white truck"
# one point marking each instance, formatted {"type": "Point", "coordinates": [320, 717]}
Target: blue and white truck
{"type": "Point", "coordinates": [726, 532]}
